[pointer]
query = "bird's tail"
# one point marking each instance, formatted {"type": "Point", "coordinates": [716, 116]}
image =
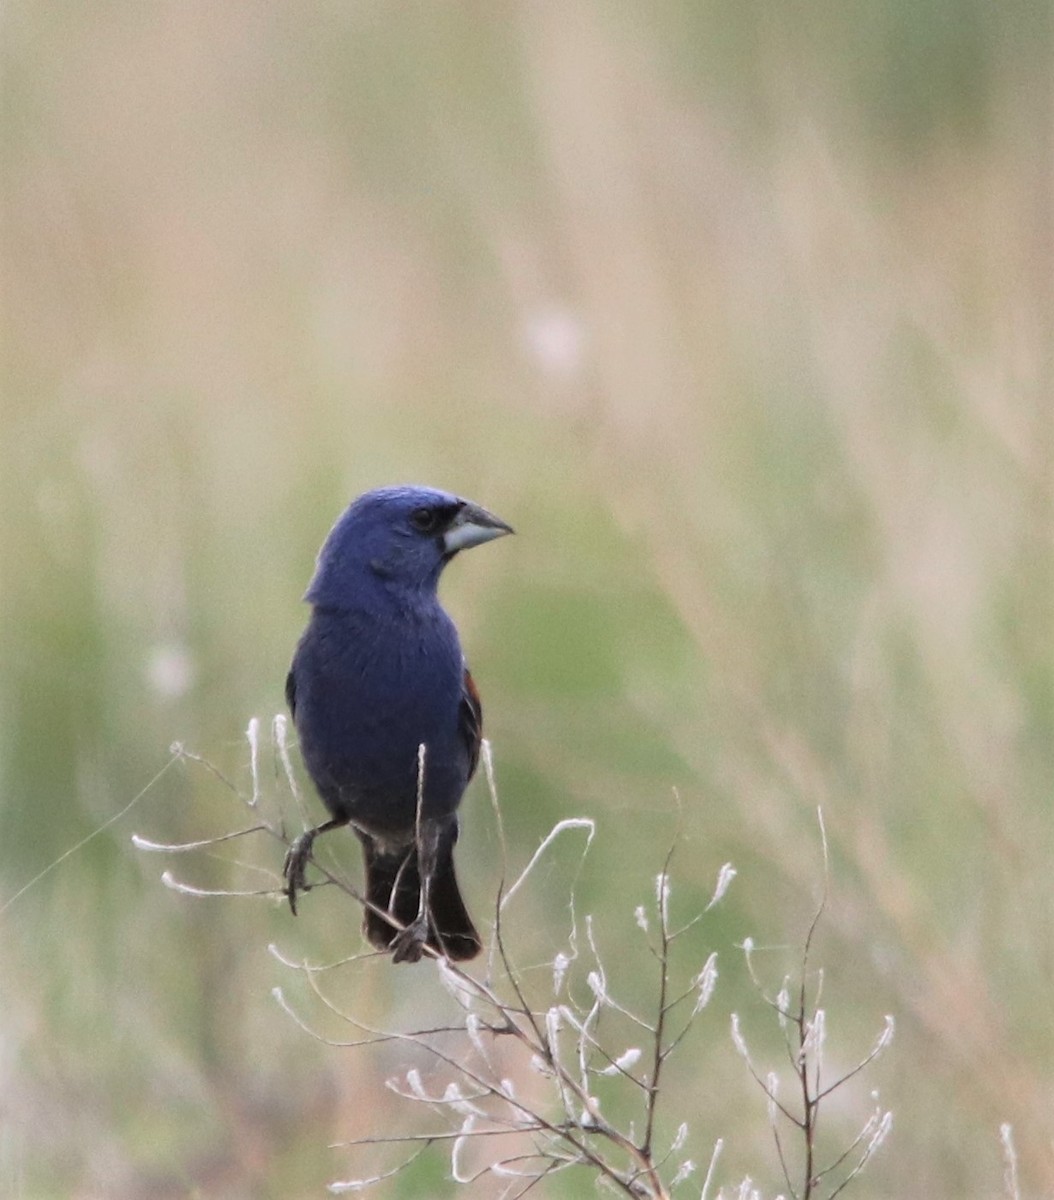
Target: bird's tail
{"type": "Point", "coordinates": [393, 885]}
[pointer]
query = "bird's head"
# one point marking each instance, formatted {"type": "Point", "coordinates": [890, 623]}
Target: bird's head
{"type": "Point", "coordinates": [398, 537]}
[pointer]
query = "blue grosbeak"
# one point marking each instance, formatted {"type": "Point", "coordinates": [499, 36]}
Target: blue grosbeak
{"type": "Point", "coordinates": [378, 673]}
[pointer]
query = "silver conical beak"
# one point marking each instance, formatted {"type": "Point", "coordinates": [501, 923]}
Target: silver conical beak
{"type": "Point", "coordinates": [472, 527]}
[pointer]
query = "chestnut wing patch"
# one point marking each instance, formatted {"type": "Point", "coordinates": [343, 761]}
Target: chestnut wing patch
{"type": "Point", "coordinates": [470, 721]}
{"type": "Point", "coordinates": [290, 694]}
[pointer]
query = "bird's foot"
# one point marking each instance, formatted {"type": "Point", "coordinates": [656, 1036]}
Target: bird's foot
{"type": "Point", "coordinates": [409, 944]}
{"type": "Point", "coordinates": [294, 869]}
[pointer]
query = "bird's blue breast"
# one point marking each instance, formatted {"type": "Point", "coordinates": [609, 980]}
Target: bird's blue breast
{"type": "Point", "coordinates": [370, 688]}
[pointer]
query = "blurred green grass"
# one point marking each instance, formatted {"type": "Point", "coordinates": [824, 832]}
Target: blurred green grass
{"type": "Point", "coordinates": [742, 317]}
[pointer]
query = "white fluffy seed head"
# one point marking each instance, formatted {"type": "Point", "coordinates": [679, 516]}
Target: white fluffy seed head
{"type": "Point", "coordinates": [627, 1059]}
{"type": "Point", "coordinates": [560, 964]}
{"type": "Point", "coordinates": [596, 985]}
{"type": "Point", "coordinates": [705, 981]}
{"type": "Point", "coordinates": [815, 1039]}
{"type": "Point", "coordinates": [684, 1171]}
{"type": "Point", "coordinates": [885, 1037]}
{"type": "Point", "coordinates": [772, 1088]}
{"type": "Point", "coordinates": [783, 999]}
{"type": "Point", "coordinates": [737, 1037]}
{"type": "Point", "coordinates": [413, 1082]}
{"type": "Point", "coordinates": [724, 880]}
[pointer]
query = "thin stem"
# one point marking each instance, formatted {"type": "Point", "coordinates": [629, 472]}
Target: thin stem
{"type": "Point", "coordinates": [809, 1110]}
{"type": "Point", "coordinates": [658, 1057]}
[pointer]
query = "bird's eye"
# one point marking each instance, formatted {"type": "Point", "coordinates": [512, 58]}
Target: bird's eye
{"type": "Point", "coordinates": [424, 520]}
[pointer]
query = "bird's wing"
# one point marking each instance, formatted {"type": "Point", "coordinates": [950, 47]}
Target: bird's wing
{"type": "Point", "coordinates": [470, 720]}
{"type": "Point", "coordinates": [290, 694]}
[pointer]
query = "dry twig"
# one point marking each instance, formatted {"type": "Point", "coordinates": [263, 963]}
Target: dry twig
{"type": "Point", "coordinates": [567, 1046]}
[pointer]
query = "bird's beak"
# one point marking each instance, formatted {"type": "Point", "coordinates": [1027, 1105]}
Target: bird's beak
{"type": "Point", "coordinates": [472, 527]}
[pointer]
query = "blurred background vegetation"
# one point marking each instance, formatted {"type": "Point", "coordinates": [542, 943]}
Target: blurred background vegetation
{"type": "Point", "coordinates": [742, 315]}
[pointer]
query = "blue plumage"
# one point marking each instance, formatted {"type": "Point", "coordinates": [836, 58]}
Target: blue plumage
{"type": "Point", "coordinates": [378, 672]}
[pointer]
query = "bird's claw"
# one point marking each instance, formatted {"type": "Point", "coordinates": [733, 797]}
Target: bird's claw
{"type": "Point", "coordinates": [294, 869]}
{"type": "Point", "coordinates": [409, 944]}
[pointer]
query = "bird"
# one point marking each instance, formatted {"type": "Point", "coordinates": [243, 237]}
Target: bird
{"type": "Point", "coordinates": [387, 715]}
